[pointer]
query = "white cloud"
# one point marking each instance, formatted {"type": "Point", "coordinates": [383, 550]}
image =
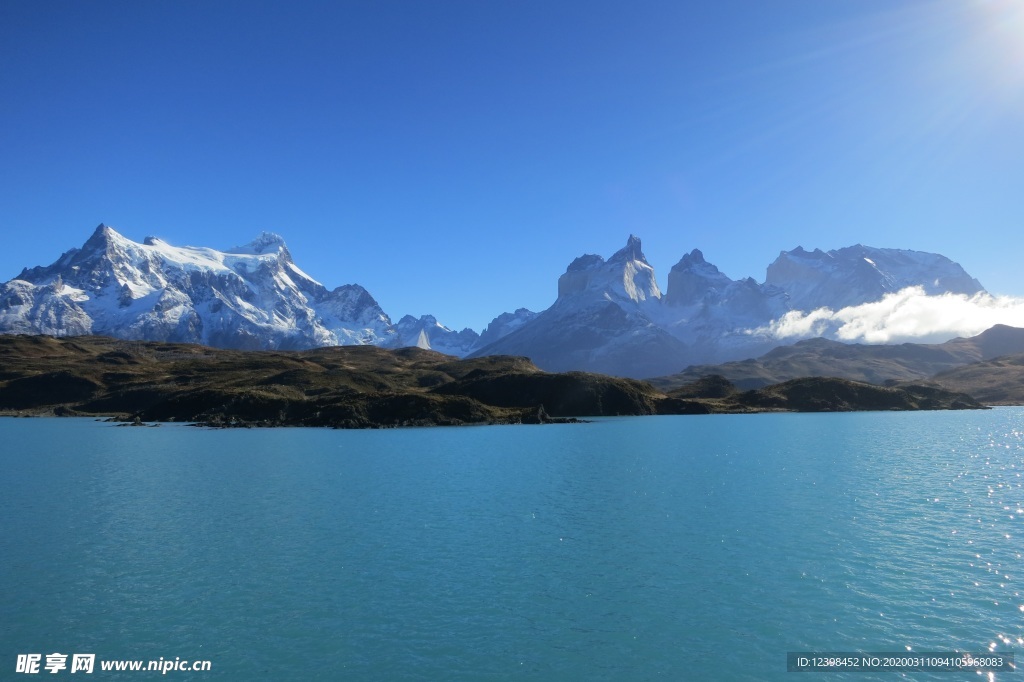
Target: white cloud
{"type": "Point", "coordinates": [907, 315]}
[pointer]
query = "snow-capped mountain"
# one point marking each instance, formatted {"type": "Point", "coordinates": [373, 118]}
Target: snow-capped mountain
{"type": "Point", "coordinates": [610, 316]}
{"type": "Point", "coordinates": [252, 296]}
{"type": "Point", "coordinates": [503, 325]}
{"type": "Point", "coordinates": [706, 309]}
{"type": "Point", "coordinates": [426, 332]}
{"type": "Point", "coordinates": [859, 274]}
{"type": "Point", "coordinates": [601, 322]}
{"type": "Point", "coordinates": [626, 276]}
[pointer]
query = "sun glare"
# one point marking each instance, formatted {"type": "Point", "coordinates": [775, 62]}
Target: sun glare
{"type": "Point", "coordinates": [1000, 39]}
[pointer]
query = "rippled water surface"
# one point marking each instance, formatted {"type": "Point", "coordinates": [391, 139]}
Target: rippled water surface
{"type": "Point", "coordinates": [625, 549]}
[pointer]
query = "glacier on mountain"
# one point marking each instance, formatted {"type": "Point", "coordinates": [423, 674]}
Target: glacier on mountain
{"type": "Point", "coordinates": [251, 296]}
{"type": "Point", "coordinates": [859, 274]}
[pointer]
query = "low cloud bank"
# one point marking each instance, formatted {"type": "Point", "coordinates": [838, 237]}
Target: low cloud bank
{"type": "Point", "coordinates": [907, 315]}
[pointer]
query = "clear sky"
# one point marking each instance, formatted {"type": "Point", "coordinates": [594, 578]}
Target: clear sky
{"type": "Point", "coordinates": [454, 157]}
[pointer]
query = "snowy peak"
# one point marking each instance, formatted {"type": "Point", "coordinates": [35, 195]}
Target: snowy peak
{"type": "Point", "coordinates": [859, 274]}
{"type": "Point", "coordinates": [101, 238]}
{"type": "Point", "coordinates": [429, 334]}
{"type": "Point", "coordinates": [632, 251]}
{"type": "Point", "coordinates": [587, 261]}
{"type": "Point", "coordinates": [505, 324]}
{"type": "Point", "coordinates": [626, 276]}
{"type": "Point", "coordinates": [105, 239]}
{"type": "Point", "coordinates": [693, 280]}
{"type": "Point", "coordinates": [602, 321]}
{"type": "Point", "coordinates": [266, 242]}
{"type": "Point", "coordinates": [107, 259]}
{"type": "Point", "coordinates": [252, 297]}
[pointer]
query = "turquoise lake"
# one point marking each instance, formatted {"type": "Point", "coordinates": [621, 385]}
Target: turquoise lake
{"type": "Point", "coordinates": [652, 548]}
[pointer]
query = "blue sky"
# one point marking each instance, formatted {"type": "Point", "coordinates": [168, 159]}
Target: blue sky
{"type": "Point", "coordinates": [454, 157]}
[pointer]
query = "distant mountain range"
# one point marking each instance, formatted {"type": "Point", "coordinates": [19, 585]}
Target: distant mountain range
{"type": "Point", "coordinates": [610, 315]}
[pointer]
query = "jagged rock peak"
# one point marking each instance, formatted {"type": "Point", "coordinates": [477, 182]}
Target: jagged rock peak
{"type": "Point", "coordinates": [693, 280]}
{"type": "Point", "coordinates": [424, 320]}
{"type": "Point", "coordinates": [101, 236]}
{"type": "Point", "coordinates": [695, 257]}
{"type": "Point", "coordinates": [630, 252]}
{"type": "Point", "coordinates": [693, 264]}
{"type": "Point", "coordinates": [505, 324]}
{"type": "Point", "coordinates": [627, 274]}
{"type": "Point", "coordinates": [801, 252]}
{"type": "Point", "coordinates": [585, 262]}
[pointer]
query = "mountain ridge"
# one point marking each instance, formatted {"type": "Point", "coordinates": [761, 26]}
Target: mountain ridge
{"type": "Point", "coordinates": [251, 296]}
{"type": "Point", "coordinates": [609, 316]}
